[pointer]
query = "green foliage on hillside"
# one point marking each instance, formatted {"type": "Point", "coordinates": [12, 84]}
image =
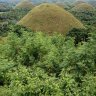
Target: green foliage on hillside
{"type": "Point", "coordinates": [35, 64]}
{"type": "Point", "coordinates": [87, 17]}
{"type": "Point", "coordinates": [11, 17]}
{"type": "Point", "coordinates": [86, 13]}
{"type": "Point", "coordinates": [14, 15]}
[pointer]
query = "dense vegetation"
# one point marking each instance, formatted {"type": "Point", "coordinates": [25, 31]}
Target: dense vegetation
{"type": "Point", "coordinates": [13, 15]}
{"type": "Point", "coordinates": [35, 64]}
{"type": "Point", "coordinates": [39, 64]}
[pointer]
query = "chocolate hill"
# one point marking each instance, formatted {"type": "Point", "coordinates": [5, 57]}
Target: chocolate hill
{"type": "Point", "coordinates": [50, 18]}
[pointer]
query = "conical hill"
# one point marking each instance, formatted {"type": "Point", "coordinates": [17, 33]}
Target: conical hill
{"type": "Point", "coordinates": [50, 18]}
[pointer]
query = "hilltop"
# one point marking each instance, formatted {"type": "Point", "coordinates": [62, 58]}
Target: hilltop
{"type": "Point", "coordinates": [50, 18]}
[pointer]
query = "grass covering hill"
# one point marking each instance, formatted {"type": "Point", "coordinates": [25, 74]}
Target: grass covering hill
{"type": "Point", "coordinates": [50, 18]}
{"type": "Point", "coordinates": [24, 5]}
{"type": "Point", "coordinates": [83, 7]}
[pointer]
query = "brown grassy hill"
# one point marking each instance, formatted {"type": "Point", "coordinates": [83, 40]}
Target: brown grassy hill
{"type": "Point", "coordinates": [83, 7]}
{"type": "Point", "coordinates": [24, 5]}
{"type": "Point", "coordinates": [50, 18]}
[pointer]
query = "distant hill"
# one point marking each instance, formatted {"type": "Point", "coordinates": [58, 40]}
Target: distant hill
{"type": "Point", "coordinates": [83, 7]}
{"type": "Point", "coordinates": [24, 5]}
{"type": "Point", "coordinates": [85, 12]}
{"type": "Point", "coordinates": [50, 18]}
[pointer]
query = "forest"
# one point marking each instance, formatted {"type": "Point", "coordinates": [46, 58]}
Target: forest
{"type": "Point", "coordinates": [48, 49]}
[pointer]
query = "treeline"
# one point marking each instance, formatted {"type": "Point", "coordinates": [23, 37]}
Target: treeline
{"type": "Point", "coordinates": [14, 15]}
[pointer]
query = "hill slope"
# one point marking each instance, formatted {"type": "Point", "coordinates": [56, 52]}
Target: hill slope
{"type": "Point", "coordinates": [50, 18]}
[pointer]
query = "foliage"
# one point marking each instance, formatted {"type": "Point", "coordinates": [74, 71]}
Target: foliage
{"type": "Point", "coordinates": [14, 15]}
{"type": "Point", "coordinates": [81, 35]}
{"type": "Point", "coordinates": [35, 64]}
{"type": "Point", "coordinates": [87, 17]}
